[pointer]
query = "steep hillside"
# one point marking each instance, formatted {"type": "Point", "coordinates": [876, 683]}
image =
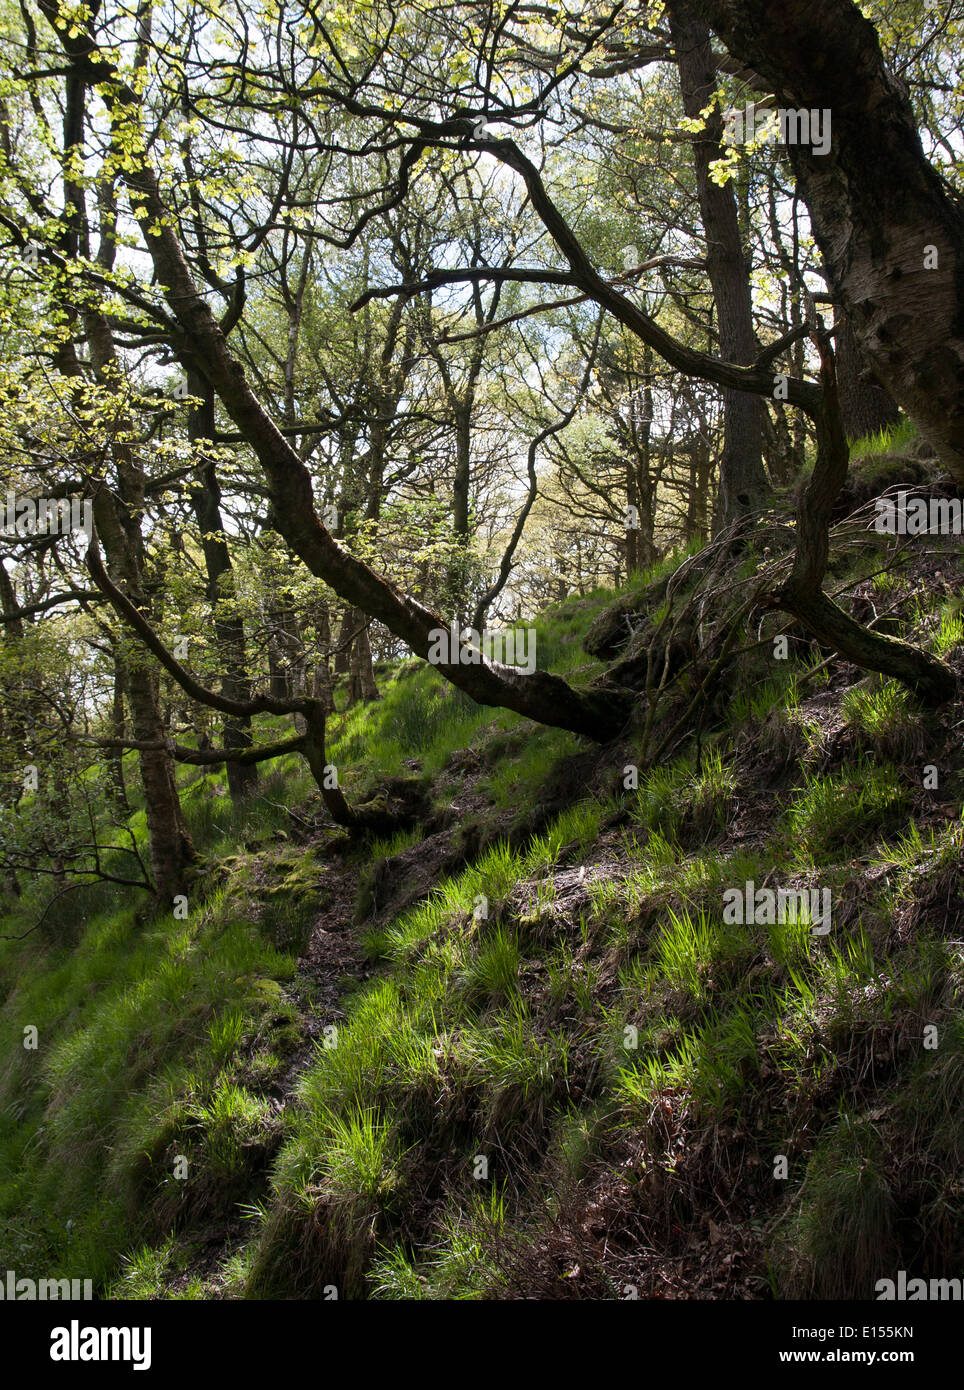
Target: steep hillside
{"type": "Point", "coordinates": [531, 1046]}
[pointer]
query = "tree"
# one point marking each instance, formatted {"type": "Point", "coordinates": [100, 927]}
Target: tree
{"type": "Point", "coordinates": [890, 227]}
{"type": "Point", "coordinates": [301, 284]}
{"type": "Point", "coordinates": [743, 481]}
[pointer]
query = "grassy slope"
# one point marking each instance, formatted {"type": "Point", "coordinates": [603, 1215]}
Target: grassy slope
{"type": "Point", "coordinates": [565, 1075]}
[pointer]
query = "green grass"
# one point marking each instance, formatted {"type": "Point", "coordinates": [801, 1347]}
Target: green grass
{"type": "Point", "coordinates": [752, 705]}
{"type": "Point", "coordinates": [886, 720]}
{"type": "Point", "coordinates": [493, 971]}
{"type": "Point", "coordinates": [516, 780]}
{"type": "Point", "coordinates": [613, 1036]}
{"type": "Point", "coordinates": [135, 1027]}
{"type": "Point", "coordinates": [830, 814]}
{"type": "Point", "coordinates": [842, 1239]}
{"type": "Point", "coordinates": [950, 633]}
{"type": "Point", "coordinates": [886, 441]}
{"type": "Point", "coordinates": [686, 804]}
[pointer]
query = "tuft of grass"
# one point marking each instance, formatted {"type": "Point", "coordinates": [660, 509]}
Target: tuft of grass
{"type": "Point", "coordinates": [144, 1272]}
{"type": "Point", "coordinates": [359, 1160]}
{"type": "Point", "coordinates": [687, 803]}
{"type": "Point", "coordinates": [834, 813]}
{"type": "Point", "coordinates": [950, 633]}
{"type": "Point", "coordinates": [777, 694]}
{"type": "Point", "coordinates": [842, 1239]}
{"type": "Point", "coordinates": [460, 1267]}
{"type": "Point", "coordinates": [493, 970]}
{"type": "Point", "coordinates": [522, 1069]}
{"type": "Point", "coordinates": [884, 441]}
{"type": "Point", "coordinates": [885, 719]}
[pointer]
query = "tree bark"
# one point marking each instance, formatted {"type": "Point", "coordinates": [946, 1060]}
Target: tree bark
{"type": "Point", "coordinates": [866, 407]}
{"type": "Point", "coordinates": [743, 485]}
{"type": "Point", "coordinates": [117, 517]}
{"type": "Point", "coordinates": [321, 683]}
{"type": "Point", "coordinates": [891, 230]}
{"type": "Point", "coordinates": [361, 682]}
{"type": "Point", "coordinates": [803, 596]}
{"type": "Point", "coordinates": [118, 730]}
{"type": "Point", "coordinates": [172, 854]}
{"type": "Point", "coordinates": [229, 635]}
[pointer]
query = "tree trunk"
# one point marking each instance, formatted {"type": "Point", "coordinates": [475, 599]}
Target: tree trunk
{"type": "Point", "coordinates": [278, 682]}
{"type": "Point", "coordinates": [228, 625]}
{"type": "Point", "coordinates": [117, 513]}
{"type": "Point", "coordinates": [172, 853]}
{"type": "Point", "coordinates": [349, 623]}
{"type": "Point", "coordinates": [890, 229]}
{"type": "Point", "coordinates": [803, 596]}
{"type": "Point", "coordinates": [698, 494]}
{"type": "Point", "coordinates": [118, 787]}
{"type": "Point", "coordinates": [171, 850]}
{"type": "Point", "coordinates": [865, 406]}
{"type": "Point", "coordinates": [743, 480]}
{"type": "Point", "coordinates": [361, 684]}
{"type": "Point", "coordinates": [15, 720]}
{"type": "Point", "coordinates": [461, 488]}
{"type": "Point", "coordinates": [321, 684]}
{"type": "Point", "coordinates": [355, 648]}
